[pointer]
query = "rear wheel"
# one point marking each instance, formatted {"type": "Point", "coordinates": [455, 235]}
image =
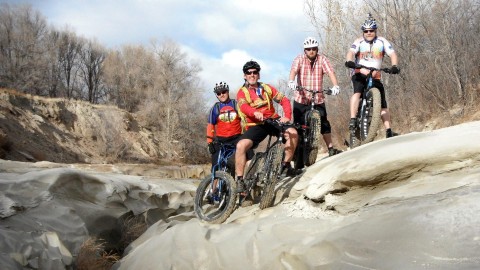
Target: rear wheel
{"type": "Point", "coordinates": [370, 120]}
{"type": "Point", "coordinates": [214, 203]}
{"type": "Point", "coordinates": [254, 173]}
{"type": "Point", "coordinates": [311, 150]}
{"type": "Point", "coordinates": [272, 167]}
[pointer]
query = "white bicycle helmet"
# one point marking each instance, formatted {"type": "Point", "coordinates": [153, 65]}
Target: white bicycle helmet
{"type": "Point", "coordinates": [310, 42]}
{"type": "Point", "coordinates": [369, 23]}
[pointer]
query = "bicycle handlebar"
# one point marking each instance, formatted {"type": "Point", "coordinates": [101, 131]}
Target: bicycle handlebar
{"type": "Point", "coordinates": [327, 91]}
{"type": "Point", "coordinates": [386, 70]}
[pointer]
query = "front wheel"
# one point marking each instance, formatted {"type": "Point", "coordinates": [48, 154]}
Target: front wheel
{"type": "Point", "coordinates": [370, 120]}
{"type": "Point", "coordinates": [215, 199]}
{"type": "Point", "coordinates": [272, 167]}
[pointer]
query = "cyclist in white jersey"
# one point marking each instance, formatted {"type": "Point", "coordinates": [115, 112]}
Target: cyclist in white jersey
{"type": "Point", "coordinates": [369, 51]}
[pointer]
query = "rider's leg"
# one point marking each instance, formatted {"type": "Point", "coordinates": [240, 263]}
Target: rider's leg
{"type": "Point", "coordinates": [240, 161]}
{"type": "Point", "coordinates": [386, 122]}
{"type": "Point", "coordinates": [354, 101]}
{"type": "Point", "coordinates": [291, 137]}
{"type": "Point", "coordinates": [241, 155]}
{"type": "Point", "coordinates": [328, 140]}
{"type": "Point", "coordinates": [386, 117]}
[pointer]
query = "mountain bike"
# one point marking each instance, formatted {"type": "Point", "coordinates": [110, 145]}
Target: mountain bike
{"type": "Point", "coordinates": [265, 168]}
{"type": "Point", "coordinates": [369, 111]}
{"type": "Point", "coordinates": [310, 132]}
{"type": "Point", "coordinates": [216, 195]}
{"type": "Point", "coordinates": [260, 178]}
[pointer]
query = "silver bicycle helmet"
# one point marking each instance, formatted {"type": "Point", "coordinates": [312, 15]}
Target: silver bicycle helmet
{"type": "Point", "coordinates": [251, 64]}
{"type": "Point", "coordinates": [310, 42]}
{"type": "Point", "coordinates": [220, 87]}
{"type": "Point", "coordinates": [370, 23]}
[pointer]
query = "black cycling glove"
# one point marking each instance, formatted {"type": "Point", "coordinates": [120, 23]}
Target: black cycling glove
{"type": "Point", "coordinates": [211, 148]}
{"type": "Point", "coordinates": [394, 70]}
{"type": "Point", "coordinates": [350, 64]}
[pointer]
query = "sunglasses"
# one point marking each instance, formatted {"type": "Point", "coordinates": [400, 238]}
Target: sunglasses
{"type": "Point", "coordinates": [309, 49]}
{"type": "Point", "coordinates": [251, 72]}
{"type": "Point", "coordinates": [368, 31]}
{"type": "Point", "coordinates": [221, 93]}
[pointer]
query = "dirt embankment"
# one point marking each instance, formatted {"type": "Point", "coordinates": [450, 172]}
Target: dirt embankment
{"type": "Point", "coordinates": [71, 131]}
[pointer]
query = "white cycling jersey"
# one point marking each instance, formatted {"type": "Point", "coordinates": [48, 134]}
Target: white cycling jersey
{"type": "Point", "coordinates": [371, 54]}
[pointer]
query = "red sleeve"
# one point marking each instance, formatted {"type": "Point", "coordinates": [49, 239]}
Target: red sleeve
{"type": "Point", "coordinates": [210, 132]}
{"type": "Point", "coordinates": [287, 107]}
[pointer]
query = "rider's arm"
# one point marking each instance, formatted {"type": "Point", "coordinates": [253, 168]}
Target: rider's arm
{"type": "Point", "coordinates": [212, 121]}
{"type": "Point", "coordinates": [210, 132]}
{"type": "Point", "coordinates": [353, 50]}
{"type": "Point", "coordinates": [394, 59]}
{"type": "Point", "coordinates": [350, 55]}
{"type": "Point", "coordinates": [294, 68]}
{"type": "Point", "coordinates": [243, 104]}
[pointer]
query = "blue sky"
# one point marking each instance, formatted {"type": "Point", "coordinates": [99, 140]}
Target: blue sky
{"type": "Point", "coordinates": [220, 34]}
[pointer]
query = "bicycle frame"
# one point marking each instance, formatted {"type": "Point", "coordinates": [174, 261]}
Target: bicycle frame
{"type": "Point", "coordinates": [264, 170]}
{"type": "Point", "coordinates": [226, 151]}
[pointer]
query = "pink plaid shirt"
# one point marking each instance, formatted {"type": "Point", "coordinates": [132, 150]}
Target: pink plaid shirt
{"type": "Point", "coordinates": [310, 77]}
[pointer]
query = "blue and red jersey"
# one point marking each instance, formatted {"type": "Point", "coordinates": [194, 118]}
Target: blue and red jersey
{"type": "Point", "coordinates": [223, 120]}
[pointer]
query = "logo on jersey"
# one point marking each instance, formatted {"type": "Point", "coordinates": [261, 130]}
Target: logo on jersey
{"type": "Point", "coordinates": [227, 114]}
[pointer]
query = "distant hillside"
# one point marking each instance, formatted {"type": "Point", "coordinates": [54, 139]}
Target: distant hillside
{"type": "Point", "coordinates": [70, 131]}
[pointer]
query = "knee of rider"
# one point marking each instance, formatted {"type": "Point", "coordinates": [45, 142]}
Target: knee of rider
{"type": "Point", "coordinates": [242, 147]}
{"type": "Point", "coordinates": [293, 132]}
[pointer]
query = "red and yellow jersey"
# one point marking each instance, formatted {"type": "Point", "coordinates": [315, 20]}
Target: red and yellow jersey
{"type": "Point", "coordinates": [259, 99]}
{"type": "Point", "coordinates": [223, 120]}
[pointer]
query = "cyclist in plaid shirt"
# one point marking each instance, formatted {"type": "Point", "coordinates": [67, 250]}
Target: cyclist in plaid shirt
{"type": "Point", "coordinates": [309, 69]}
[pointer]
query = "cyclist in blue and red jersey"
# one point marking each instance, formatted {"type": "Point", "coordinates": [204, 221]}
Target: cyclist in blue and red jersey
{"type": "Point", "coordinates": [223, 121]}
{"type": "Point", "coordinates": [369, 51]}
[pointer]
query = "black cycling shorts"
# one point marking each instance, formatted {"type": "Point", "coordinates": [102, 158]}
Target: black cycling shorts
{"type": "Point", "coordinates": [258, 133]}
{"type": "Point", "coordinates": [300, 109]}
{"type": "Point", "coordinates": [359, 81]}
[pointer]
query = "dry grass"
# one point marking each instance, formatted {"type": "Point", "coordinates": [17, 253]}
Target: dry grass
{"type": "Point", "coordinates": [93, 254]}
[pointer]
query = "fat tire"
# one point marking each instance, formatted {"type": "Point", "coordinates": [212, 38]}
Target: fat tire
{"type": "Point", "coordinates": [272, 165]}
{"type": "Point", "coordinates": [253, 173]}
{"type": "Point", "coordinates": [311, 151]}
{"type": "Point", "coordinates": [370, 123]}
{"type": "Point", "coordinates": [208, 212]}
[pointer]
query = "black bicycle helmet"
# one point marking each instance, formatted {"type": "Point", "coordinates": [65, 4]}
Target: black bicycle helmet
{"type": "Point", "coordinates": [220, 87]}
{"type": "Point", "coordinates": [249, 65]}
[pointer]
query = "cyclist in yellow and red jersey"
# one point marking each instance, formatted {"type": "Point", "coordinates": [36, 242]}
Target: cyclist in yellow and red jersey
{"type": "Point", "coordinates": [369, 51]}
{"type": "Point", "coordinates": [255, 101]}
{"type": "Point", "coordinates": [223, 121]}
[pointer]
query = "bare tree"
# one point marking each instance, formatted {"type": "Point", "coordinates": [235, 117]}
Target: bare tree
{"type": "Point", "coordinates": [69, 47]}
{"type": "Point", "coordinates": [129, 74]}
{"type": "Point", "coordinates": [23, 48]}
{"type": "Point", "coordinates": [92, 57]}
{"type": "Point", "coordinates": [175, 93]}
